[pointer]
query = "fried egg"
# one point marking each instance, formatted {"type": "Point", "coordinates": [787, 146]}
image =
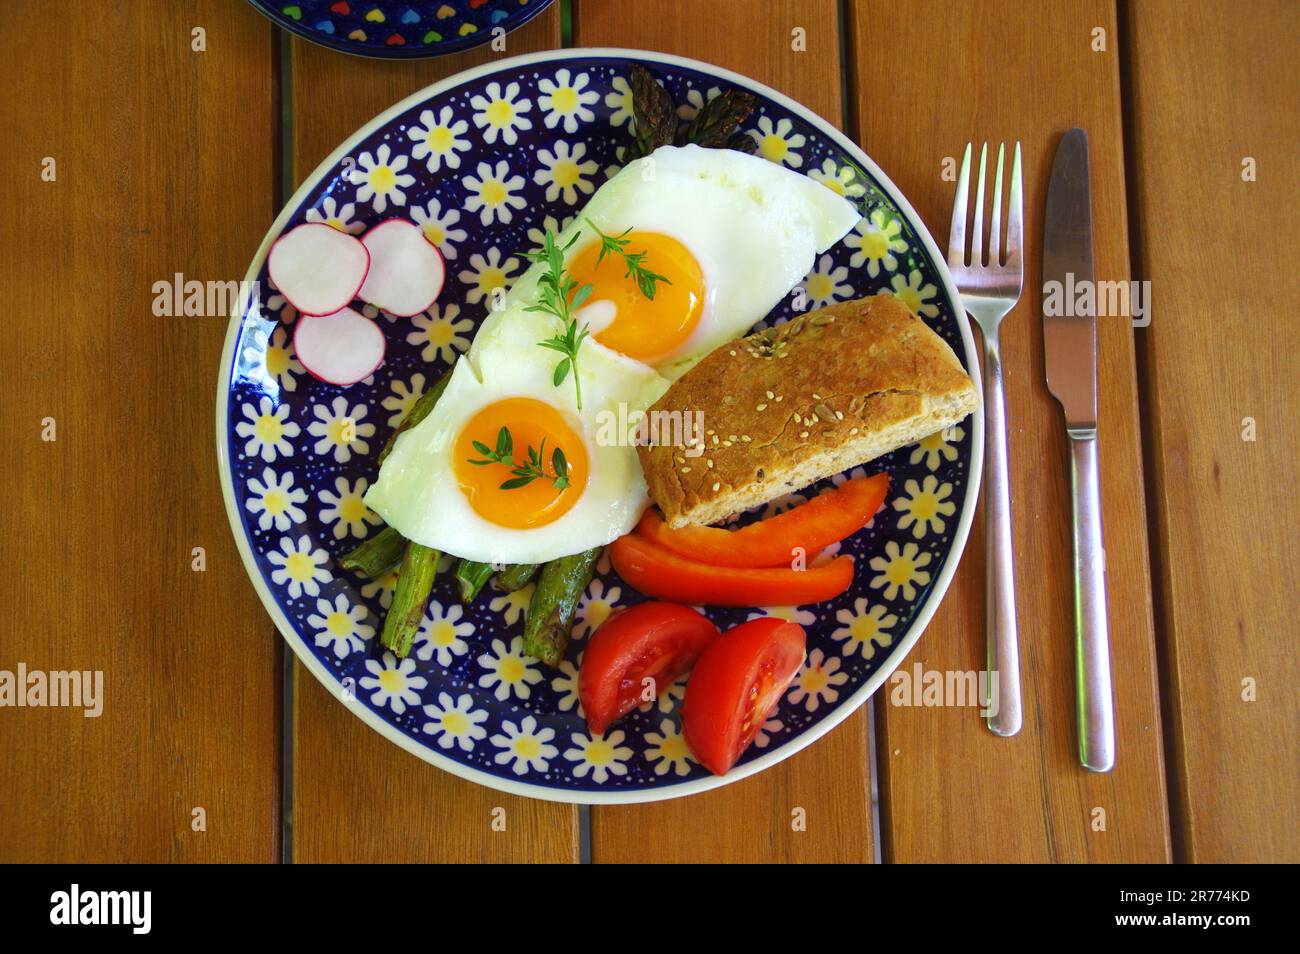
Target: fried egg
{"type": "Point", "coordinates": [443, 485]}
{"type": "Point", "coordinates": [730, 234]}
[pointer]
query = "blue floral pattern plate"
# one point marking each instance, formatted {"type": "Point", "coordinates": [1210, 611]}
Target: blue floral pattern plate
{"type": "Point", "coordinates": [405, 29]}
{"type": "Point", "coordinates": [484, 162]}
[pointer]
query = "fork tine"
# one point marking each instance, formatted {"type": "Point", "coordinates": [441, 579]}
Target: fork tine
{"type": "Point", "coordinates": [1015, 215]}
{"type": "Point", "coordinates": [957, 232]}
{"type": "Point", "coordinates": [977, 226]}
{"type": "Point", "coordinates": [995, 217]}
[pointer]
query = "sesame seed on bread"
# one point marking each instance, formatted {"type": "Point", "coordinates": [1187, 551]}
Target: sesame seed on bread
{"type": "Point", "coordinates": [790, 405]}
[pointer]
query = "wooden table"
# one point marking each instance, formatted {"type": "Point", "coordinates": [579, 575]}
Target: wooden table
{"type": "Point", "coordinates": [171, 160]}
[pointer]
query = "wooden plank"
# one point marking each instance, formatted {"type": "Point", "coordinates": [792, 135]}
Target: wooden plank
{"type": "Point", "coordinates": [164, 164]}
{"type": "Point", "coordinates": [750, 820]}
{"type": "Point", "coordinates": [356, 796]}
{"type": "Point", "coordinates": [1215, 84]}
{"type": "Point", "coordinates": [926, 78]}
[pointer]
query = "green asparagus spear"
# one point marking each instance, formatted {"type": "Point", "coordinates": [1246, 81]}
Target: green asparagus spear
{"type": "Point", "coordinates": [515, 577]}
{"type": "Point", "coordinates": [471, 575]}
{"type": "Point", "coordinates": [414, 581]}
{"type": "Point", "coordinates": [550, 613]}
{"type": "Point", "coordinates": [419, 412]}
{"type": "Point", "coordinates": [376, 556]}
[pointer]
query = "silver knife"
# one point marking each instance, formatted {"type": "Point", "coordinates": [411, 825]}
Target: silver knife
{"type": "Point", "coordinates": [1070, 347]}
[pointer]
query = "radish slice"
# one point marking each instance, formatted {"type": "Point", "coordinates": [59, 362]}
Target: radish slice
{"type": "Point", "coordinates": [406, 269]}
{"type": "Point", "coordinates": [342, 348]}
{"type": "Point", "coordinates": [318, 268]}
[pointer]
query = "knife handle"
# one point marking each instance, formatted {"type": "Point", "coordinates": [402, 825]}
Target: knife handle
{"type": "Point", "coordinates": [1000, 581]}
{"type": "Point", "coordinates": [1091, 636]}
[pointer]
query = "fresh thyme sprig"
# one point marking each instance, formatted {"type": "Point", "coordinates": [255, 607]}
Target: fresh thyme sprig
{"type": "Point", "coordinates": [646, 280]}
{"type": "Point", "coordinates": [561, 296]}
{"type": "Point", "coordinates": [531, 469]}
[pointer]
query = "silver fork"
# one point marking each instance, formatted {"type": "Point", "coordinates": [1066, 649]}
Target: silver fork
{"type": "Point", "coordinates": [988, 292]}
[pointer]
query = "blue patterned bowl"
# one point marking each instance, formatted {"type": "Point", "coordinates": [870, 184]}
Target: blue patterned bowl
{"type": "Point", "coordinates": [466, 700]}
{"type": "Point", "coordinates": [399, 29]}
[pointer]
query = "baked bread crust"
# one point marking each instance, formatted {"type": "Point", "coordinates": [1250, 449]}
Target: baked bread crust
{"type": "Point", "coordinates": [788, 406]}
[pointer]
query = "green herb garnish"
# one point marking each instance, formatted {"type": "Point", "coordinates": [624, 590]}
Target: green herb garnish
{"type": "Point", "coordinates": [617, 245]}
{"type": "Point", "coordinates": [561, 296]}
{"type": "Point", "coordinates": [531, 469]}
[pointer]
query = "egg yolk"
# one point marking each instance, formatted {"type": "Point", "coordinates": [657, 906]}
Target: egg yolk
{"type": "Point", "coordinates": [532, 425]}
{"type": "Point", "coordinates": [645, 329]}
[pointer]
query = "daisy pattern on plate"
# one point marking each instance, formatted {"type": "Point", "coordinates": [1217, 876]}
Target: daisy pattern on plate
{"type": "Point", "coordinates": [274, 499]}
{"type": "Point", "coordinates": [487, 273]}
{"type": "Point", "coordinates": [346, 510]}
{"type": "Point", "coordinates": [818, 681]}
{"type": "Point", "coordinates": [783, 503]}
{"type": "Point", "coordinates": [439, 227]}
{"type": "Point", "coordinates": [299, 566]}
{"type": "Point", "coordinates": [778, 142]}
{"type": "Point", "coordinates": [512, 606]}
{"type": "Point", "coordinates": [267, 429]}
{"type": "Point", "coordinates": [602, 755]}
{"type": "Point", "coordinates": [825, 284]}
{"type": "Point", "coordinates": [565, 687]}
{"type": "Point", "coordinates": [441, 333]}
{"type": "Point", "coordinates": [395, 683]}
{"type": "Point", "coordinates": [499, 114]}
{"type": "Point", "coordinates": [667, 751]}
{"type": "Point", "coordinates": [492, 193]}
{"type": "Point", "coordinates": [598, 601]}
{"type": "Point", "coordinates": [565, 100]}
{"type": "Point", "coordinates": [619, 99]}
{"type": "Point", "coordinates": [277, 303]}
{"type": "Point", "coordinates": [381, 587]}
{"type": "Point", "coordinates": [877, 241]}
{"type": "Point", "coordinates": [915, 295]}
{"type": "Point", "coordinates": [339, 430]}
{"type": "Point", "coordinates": [442, 633]}
{"type": "Point", "coordinates": [842, 180]}
{"type": "Point", "coordinates": [337, 216]}
{"type": "Point", "coordinates": [403, 398]}
{"type": "Point", "coordinates": [272, 359]}
{"type": "Point", "coordinates": [925, 506]}
{"type": "Point", "coordinates": [900, 570]}
{"type": "Point", "coordinates": [524, 747]}
{"type": "Point", "coordinates": [537, 234]}
{"type": "Point", "coordinates": [438, 139]}
{"type": "Point", "coordinates": [668, 699]}
{"type": "Point", "coordinates": [564, 173]}
{"type": "Point", "coordinates": [509, 671]}
{"type": "Point", "coordinates": [381, 179]}
{"type": "Point", "coordinates": [863, 628]}
{"type": "Point", "coordinates": [769, 730]}
{"type": "Point", "coordinates": [455, 723]}
{"type": "Point", "coordinates": [695, 101]}
{"type": "Point", "coordinates": [340, 626]}
{"type": "Point", "coordinates": [937, 447]}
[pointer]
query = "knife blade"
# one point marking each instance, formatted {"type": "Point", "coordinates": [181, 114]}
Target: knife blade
{"type": "Point", "coordinates": [1070, 339]}
{"type": "Point", "coordinates": [1070, 352]}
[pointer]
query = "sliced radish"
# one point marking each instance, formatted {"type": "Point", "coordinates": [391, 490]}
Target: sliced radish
{"type": "Point", "coordinates": [342, 348]}
{"type": "Point", "coordinates": [406, 269]}
{"type": "Point", "coordinates": [318, 268]}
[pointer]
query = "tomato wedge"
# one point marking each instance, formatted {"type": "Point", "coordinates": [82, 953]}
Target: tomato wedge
{"type": "Point", "coordinates": [736, 684]}
{"type": "Point", "coordinates": [658, 571]}
{"type": "Point", "coordinates": [809, 527]}
{"type": "Point", "coordinates": [658, 641]}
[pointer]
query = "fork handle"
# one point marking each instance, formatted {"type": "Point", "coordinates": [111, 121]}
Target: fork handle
{"type": "Point", "coordinates": [1091, 633]}
{"type": "Point", "coordinates": [1003, 715]}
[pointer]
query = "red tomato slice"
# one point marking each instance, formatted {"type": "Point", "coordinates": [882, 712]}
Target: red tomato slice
{"type": "Point", "coordinates": [657, 571]}
{"type": "Point", "coordinates": [826, 519]}
{"type": "Point", "coordinates": [659, 641]}
{"type": "Point", "coordinates": [736, 684]}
